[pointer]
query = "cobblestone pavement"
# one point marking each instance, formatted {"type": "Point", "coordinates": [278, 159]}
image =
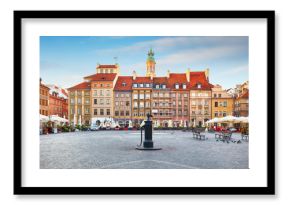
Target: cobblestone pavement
{"type": "Point", "coordinates": [116, 150]}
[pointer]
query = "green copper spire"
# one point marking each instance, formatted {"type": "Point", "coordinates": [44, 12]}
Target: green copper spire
{"type": "Point", "coordinates": [151, 56]}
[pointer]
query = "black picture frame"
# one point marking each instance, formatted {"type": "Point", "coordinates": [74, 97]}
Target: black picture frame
{"type": "Point", "coordinates": [268, 190]}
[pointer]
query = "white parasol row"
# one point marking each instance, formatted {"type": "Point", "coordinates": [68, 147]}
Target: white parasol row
{"type": "Point", "coordinates": [229, 119]}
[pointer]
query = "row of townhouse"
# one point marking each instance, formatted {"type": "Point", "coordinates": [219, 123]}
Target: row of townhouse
{"type": "Point", "coordinates": [180, 99]}
{"type": "Point", "coordinates": [53, 100]}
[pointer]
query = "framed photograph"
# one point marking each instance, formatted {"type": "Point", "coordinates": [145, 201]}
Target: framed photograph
{"type": "Point", "coordinates": [144, 102]}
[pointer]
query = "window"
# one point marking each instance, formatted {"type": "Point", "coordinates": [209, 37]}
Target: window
{"type": "Point", "coordinates": [101, 85]}
{"type": "Point", "coordinates": [135, 85]}
{"type": "Point", "coordinates": [101, 92]}
{"type": "Point", "coordinates": [214, 95]}
{"type": "Point", "coordinates": [220, 95]}
{"type": "Point", "coordinates": [163, 86]}
{"type": "Point", "coordinates": [121, 103]}
{"type": "Point", "coordinates": [108, 85]}
{"type": "Point", "coordinates": [141, 96]}
{"type": "Point", "coordinates": [157, 86]}
{"type": "Point", "coordinates": [127, 95]}
{"type": "Point", "coordinates": [147, 85]}
{"type": "Point", "coordinates": [79, 100]}
{"type": "Point", "coordinates": [127, 103]}
{"type": "Point", "coordinates": [141, 85]}
{"type": "Point", "coordinates": [72, 111]}
{"type": "Point", "coordinates": [173, 95]}
{"type": "Point", "coordinates": [184, 86]}
{"type": "Point", "coordinates": [117, 103]}
{"type": "Point", "coordinates": [206, 102]}
{"type": "Point", "coordinates": [124, 84]}
{"type": "Point", "coordinates": [216, 104]}
{"type": "Point", "coordinates": [166, 95]}
{"type": "Point", "coordinates": [185, 95]}
{"type": "Point", "coordinates": [185, 103]}
{"type": "Point", "coordinates": [79, 111]}
{"type": "Point", "coordinates": [135, 104]}
{"type": "Point", "coordinates": [225, 104]}
{"type": "Point", "coordinates": [155, 94]}
{"type": "Point", "coordinates": [127, 113]}
{"type": "Point", "coordinates": [193, 94]}
{"type": "Point", "coordinates": [116, 113]}
{"type": "Point", "coordinates": [147, 96]}
{"type": "Point", "coordinates": [221, 104]}
{"type": "Point", "coordinates": [101, 111]}
{"type": "Point", "coordinates": [135, 96]}
{"type": "Point", "coordinates": [141, 104]}
{"type": "Point", "coordinates": [224, 114]}
{"type": "Point", "coordinates": [95, 93]}
{"type": "Point", "coordinates": [176, 86]}
{"type": "Point", "coordinates": [198, 85]}
{"type": "Point", "coordinates": [111, 71]}
{"type": "Point", "coordinates": [173, 103]}
{"type": "Point", "coordinates": [108, 101]}
{"type": "Point", "coordinates": [179, 103]}
{"type": "Point", "coordinates": [221, 113]}
{"type": "Point", "coordinates": [72, 101]}
{"type": "Point", "coordinates": [95, 101]}
{"type": "Point", "coordinates": [193, 102]}
{"type": "Point", "coordinates": [122, 113]}
{"type": "Point", "coordinates": [87, 100]}
{"type": "Point", "coordinates": [87, 110]}
{"type": "Point", "coordinates": [117, 95]}
{"type": "Point", "coordinates": [108, 112]}
{"type": "Point", "coordinates": [161, 95]}
{"type": "Point", "coordinates": [122, 95]}
{"type": "Point", "coordinates": [101, 101]}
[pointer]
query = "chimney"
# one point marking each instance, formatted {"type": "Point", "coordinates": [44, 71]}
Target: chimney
{"type": "Point", "coordinates": [134, 75]}
{"type": "Point", "coordinates": [168, 73]}
{"type": "Point", "coordinates": [206, 72]}
{"type": "Point", "coordinates": [188, 74]}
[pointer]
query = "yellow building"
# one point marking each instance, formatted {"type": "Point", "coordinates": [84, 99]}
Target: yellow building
{"type": "Point", "coordinates": [222, 103]}
{"type": "Point", "coordinates": [79, 103]}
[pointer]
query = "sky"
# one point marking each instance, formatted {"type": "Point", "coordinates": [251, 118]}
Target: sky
{"type": "Point", "coordinates": [65, 60]}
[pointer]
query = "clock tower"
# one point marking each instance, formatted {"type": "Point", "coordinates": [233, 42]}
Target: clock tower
{"type": "Point", "coordinates": [150, 64]}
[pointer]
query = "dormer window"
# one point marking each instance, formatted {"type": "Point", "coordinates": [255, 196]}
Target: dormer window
{"type": "Point", "coordinates": [164, 86]}
{"type": "Point", "coordinates": [198, 85]}
{"type": "Point", "coordinates": [157, 86]}
{"type": "Point", "coordinates": [141, 85]}
{"type": "Point", "coordinates": [147, 85]}
{"type": "Point", "coordinates": [135, 85]}
{"type": "Point", "coordinates": [184, 86]}
{"type": "Point", "coordinates": [124, 84]}
{"type": "Point", "coordinates": [176, 86]}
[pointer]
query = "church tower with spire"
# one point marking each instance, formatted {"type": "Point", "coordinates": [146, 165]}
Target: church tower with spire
{"type": "Point", "coordinates": [150, 64]}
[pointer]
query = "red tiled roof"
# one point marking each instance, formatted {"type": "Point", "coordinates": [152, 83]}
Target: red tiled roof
{"type": "Point", "coordinates": [128, 80]}
{"type": "Point", "coordinates": [160, 80]}
{"type": "Point", "coordinates": [81, 86]}
{"type": "Point", "coordinates": [199, 77]}
{"type": "Point", "coordinates": [179, 78]}
{"type": "Point", "coordinates": [64, 92]}
{"type": "Point", "coordinates": [142, 80]}
{"type": "Point", "coordinates": [101, 77]}
{"type": "Point", "coordinates": [107, 66]}
{"type": "Point", "coordinates": [245, 95]}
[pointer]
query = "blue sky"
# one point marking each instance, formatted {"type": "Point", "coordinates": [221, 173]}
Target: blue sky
{"type": "Point", "coordinates": [65, 60]}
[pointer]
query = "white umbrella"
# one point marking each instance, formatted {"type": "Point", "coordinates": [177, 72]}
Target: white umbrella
{"type": "Point", "coordinates": [130, 124]}
{"type": "Point", "coordinates": [43, 118]}
{"type": "Point", "coordinates": [242, 120]}
{"type": "Point", "coordinates": [228, 118]}
{"type": "Point", "coordinates": [214, 120]}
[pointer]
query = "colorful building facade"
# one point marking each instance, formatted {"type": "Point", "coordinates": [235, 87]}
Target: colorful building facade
{"type": "Point", "coordinates": [222, 102]}
{"type": "Point", "coordinates": [58, 101]}
{"type": "Point", "coordinates": [79, 103]}
{"type": "Point", "coordinates": [43, 99]}
{"type": "Point", "coordinates": [122, 104]}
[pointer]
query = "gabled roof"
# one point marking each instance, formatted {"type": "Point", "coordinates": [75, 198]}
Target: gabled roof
{"type": "Point", "coordinates": [143, 80]}
{"type": "Point", "coordinates": [160, 80]}
{"type": "Point", "coordinates": [199, 77]}
{"type": "Point", "coordinates": [81, 86]}
{"type": "Point", "coordinates": [124, 83]}
{"type": "Point", "coordinates": [177, 78]}
{"type": "Point", "coordinates": [245, 95]}
{"type": "Point", "coordinates": [101, 77]}
{"type": "Point", "coordinates": [107, 66]}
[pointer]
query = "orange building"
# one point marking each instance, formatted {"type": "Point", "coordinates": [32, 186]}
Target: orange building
{"type": "Point", "coordinates": [58, 101]}
{"type": "Point", "coordinates": [43, 99]}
